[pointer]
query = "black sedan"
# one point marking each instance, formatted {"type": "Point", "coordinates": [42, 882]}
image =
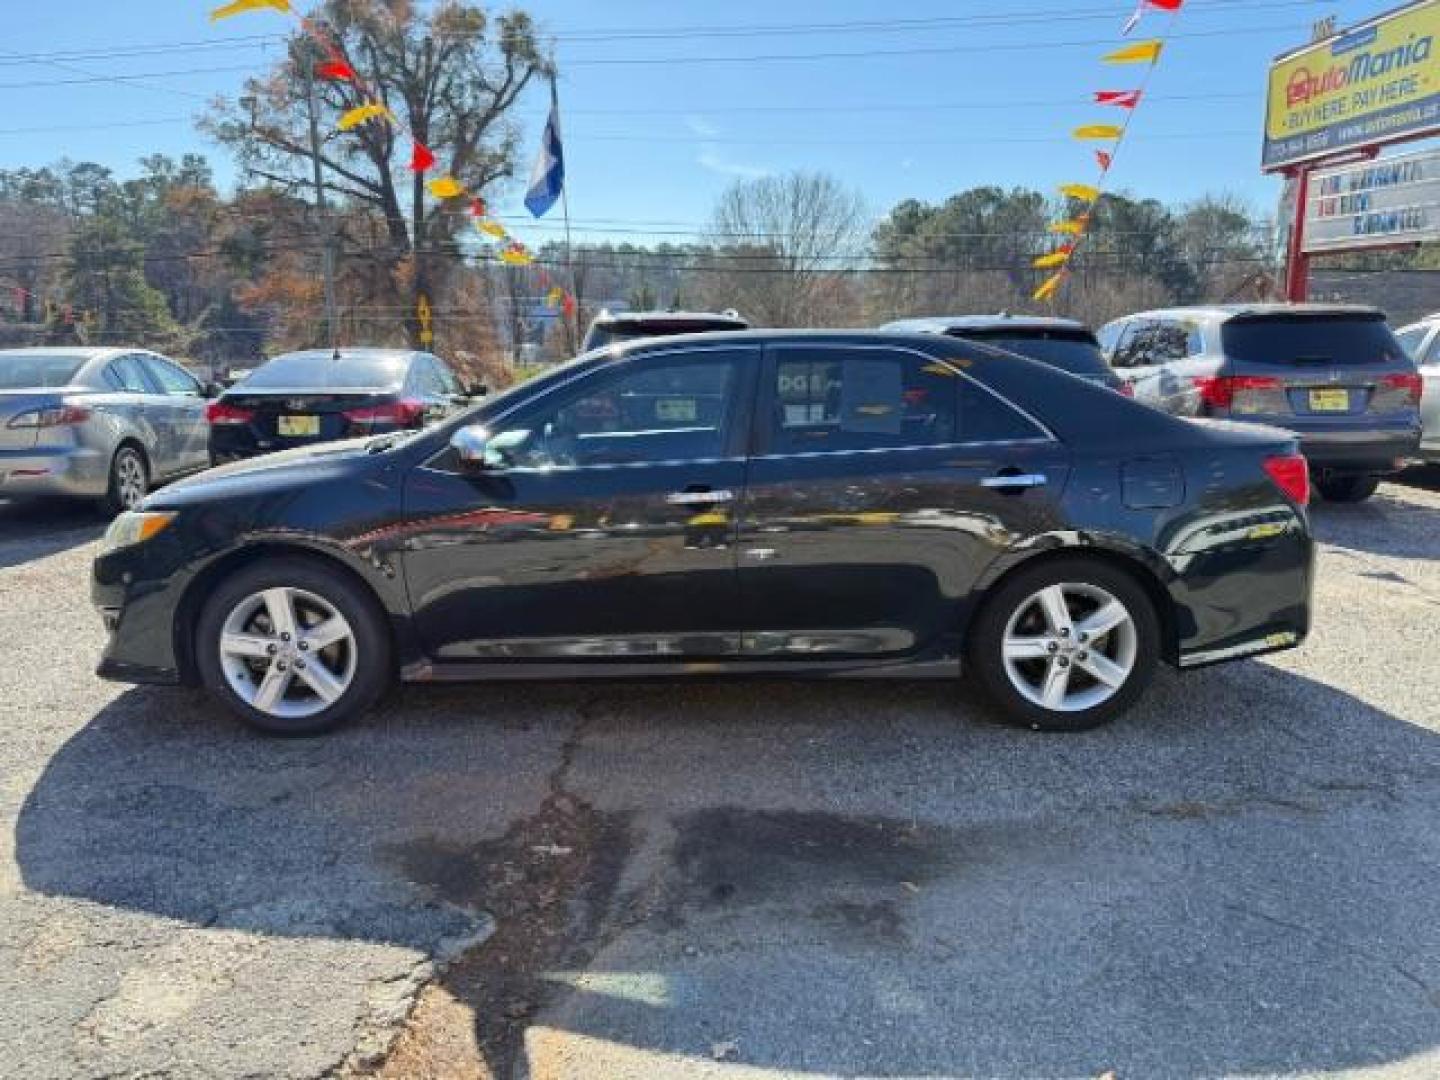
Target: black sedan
{"type": "Point", "coordinates": [787, 503]}
{"type": "Point", "coordinates": [321, 395]}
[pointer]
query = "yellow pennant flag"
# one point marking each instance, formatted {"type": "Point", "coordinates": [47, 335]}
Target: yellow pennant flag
{"type": "Point", "coordinates": [1051, 284]}
{"type": "Point", "coordinates": [556, 295]}
{"type": "Point", "coordinates": [1068, 228]}
{"type": "Point", "coordinates": [1142, 52]}
{"type": "Point", "coordinates": [491, 228]}
{"type": "Point", "coordinates": [516, 257]}
{"type": "Point", "coordinates": [445, 187]}
{"type": "Point", "coordinates": [363, 114]}
{"type": "Point", "coordinates": [1098, 131]}
{"type": "Point", "coordinates": [1055, 258]}
{"type": "Point", "coordinates": [1083, 192]}
{"type": "Point", "coordinates": [237, 7]}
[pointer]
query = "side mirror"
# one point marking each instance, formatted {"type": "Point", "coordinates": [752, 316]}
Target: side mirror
{"type": "Point", "coordinates": [476, 390]}
{"type": "Point", "coordinates": [471, 445]}
{"type": "Point", "coordinates": [213, 390]}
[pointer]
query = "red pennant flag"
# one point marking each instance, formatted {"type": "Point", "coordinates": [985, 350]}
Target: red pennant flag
{"type": "Point", "coordinates": [568, 306]}
{"type": "Point", "coordinates": [421, 159]}
{"type": "Point", "coordinates": [1124, 99]}
{"type": "Point", "coordinates": [478, 208]}
{"type": "Point", "coordinates": [337, 70]}
{"type": "Point", "coordinates": [1105, 158]}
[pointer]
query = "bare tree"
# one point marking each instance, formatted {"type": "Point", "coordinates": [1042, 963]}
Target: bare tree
{"type": "Point", "coordinates": [781, 246]}
{"type": "Point", "coordinates": [450, 74]}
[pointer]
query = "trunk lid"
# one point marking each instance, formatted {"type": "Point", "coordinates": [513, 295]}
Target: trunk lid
{"type": "Point", "coordinates": [297, 417]}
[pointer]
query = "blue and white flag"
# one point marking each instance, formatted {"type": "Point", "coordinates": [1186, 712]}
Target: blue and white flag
{"type": "Point", "coordinates": [548, 179]}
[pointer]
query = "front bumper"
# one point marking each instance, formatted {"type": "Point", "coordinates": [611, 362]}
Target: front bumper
{"type": "Point", "coordinates": [139, 613]}
{"type": "Point", "coordinates": [77, 473]}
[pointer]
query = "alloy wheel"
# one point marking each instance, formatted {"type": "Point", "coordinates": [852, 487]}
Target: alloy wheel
{"type": "Point", "coordinates": [1070, 647]}
{"type": "Point", "coordinates": [288, 653]}
{"type": "Point", "coordinates": [129, 479]}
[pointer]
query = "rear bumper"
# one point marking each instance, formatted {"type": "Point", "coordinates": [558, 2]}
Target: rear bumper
{"type": "Point", "coordinates": [79, 472]}
{"type": "Point", "coordinates": [1360, 451]}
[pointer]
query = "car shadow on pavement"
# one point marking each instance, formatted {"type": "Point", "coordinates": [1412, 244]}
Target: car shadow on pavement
{"type": "Point", "coordinates": [1398, 522]}
{"type": "Point", "coordinates": [35, 529]}
{"type": "Point", "coordinates": [1239, 877]}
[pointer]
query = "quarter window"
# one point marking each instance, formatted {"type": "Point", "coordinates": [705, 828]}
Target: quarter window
{"type": "Point", "coordinates": [859, 399]}
{"type": "Point", "coordinates": [987, 418]}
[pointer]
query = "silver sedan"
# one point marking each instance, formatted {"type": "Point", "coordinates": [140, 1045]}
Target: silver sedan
{"type": "Point", "coordinates": [102, 424]}
{"type": "Point", "coordinates": [1422, 341]}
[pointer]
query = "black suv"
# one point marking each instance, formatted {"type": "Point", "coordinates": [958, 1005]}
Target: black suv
{"type": "Point", "coordinates": [1060, 343]}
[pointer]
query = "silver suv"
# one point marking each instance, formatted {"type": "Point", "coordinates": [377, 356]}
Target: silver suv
{"type": "Point", "coordinates": [1422, 341]}
{"type": "Point", "coordinates": [1332, 374]}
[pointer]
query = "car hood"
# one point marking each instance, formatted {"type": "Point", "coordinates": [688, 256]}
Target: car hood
{"type": "Point", "coordinates": [303, 465]}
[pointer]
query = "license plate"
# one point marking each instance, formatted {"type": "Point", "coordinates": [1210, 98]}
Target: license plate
{"type": "Point", "coordinates": [298, 426]}
{"type": "Point", "coordinates": [1329, 400]}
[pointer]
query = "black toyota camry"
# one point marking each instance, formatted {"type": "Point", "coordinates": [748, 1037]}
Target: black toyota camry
{"type": "Point", "coordinates": [828, 504]}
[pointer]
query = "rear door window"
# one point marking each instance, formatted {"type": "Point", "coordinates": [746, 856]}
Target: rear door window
{"type": "Point", "coordinates": [1311, 341]}
{"type": "Point", "coordinates": [128, 374]}
{"type": "Point", "coordinates": [172, 380]}
{"type": "Point", "coordinates": [839, 399]}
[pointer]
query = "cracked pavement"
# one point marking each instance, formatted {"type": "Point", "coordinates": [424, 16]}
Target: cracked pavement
{"type": "Point", "coordinates": [1237, 879]}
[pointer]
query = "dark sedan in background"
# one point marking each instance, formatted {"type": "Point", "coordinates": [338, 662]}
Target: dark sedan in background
{"type": "Point", "coordinates": [788, 503]}
{"type": "Point", "coordinates": [322, 395]}
{"type": "Point", "coordinates": [1062, 343]}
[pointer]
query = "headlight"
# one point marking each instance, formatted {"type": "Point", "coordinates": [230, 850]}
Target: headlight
{"type": "Point", "coordinates": [135, 527]}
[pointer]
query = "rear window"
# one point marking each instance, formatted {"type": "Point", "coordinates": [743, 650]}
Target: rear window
{"type": "Point", "coordinates": [320, 370]}
{"type": "Point", "coordinates": [1311, 339]}
{"type": "Point", "coordinates": [23, 371]}
{"type": "Point", "coordinates": [1074, 351]}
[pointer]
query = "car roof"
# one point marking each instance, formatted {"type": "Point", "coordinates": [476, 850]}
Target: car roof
{"type": "Point", "coordinates": [357, 352]}
{"type": "Point", "coordinates": [944, 324]}
{"type": "Point", "coordinates": [88, 352]}
{"type": "Point", "coordinates": [1226, 312]}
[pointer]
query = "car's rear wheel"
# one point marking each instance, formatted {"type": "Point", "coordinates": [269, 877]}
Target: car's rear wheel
{"type": "Point", "coordinates": [129, 481]}
{"type": "Point", "coordinates": [1347, 489]}
{"type": "Point", "coordinates": [293, 647]}
{"type": "Point", "coordinates": [1067, 645]}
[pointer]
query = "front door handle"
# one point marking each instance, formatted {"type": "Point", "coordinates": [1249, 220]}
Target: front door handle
{"type": "Point", "coordinates": [699, 498]}
{"type": "Point", "coordinates": [1016, 481]}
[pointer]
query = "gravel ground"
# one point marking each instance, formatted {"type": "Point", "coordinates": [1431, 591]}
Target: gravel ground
{"type": "Point", "coordinates": [752, 880]}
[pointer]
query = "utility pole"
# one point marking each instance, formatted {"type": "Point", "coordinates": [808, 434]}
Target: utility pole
{"type": "Point", "coordinates": [322, 212]}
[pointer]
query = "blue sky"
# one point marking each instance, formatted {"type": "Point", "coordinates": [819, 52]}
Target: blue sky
{"type": "Point", "coordinates": [982, 93]}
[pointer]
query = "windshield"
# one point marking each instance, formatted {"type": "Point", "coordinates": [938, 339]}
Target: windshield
{"type": "Point", "coordinates": [320, 370]}
{"type": "Point", "coordinates": [28, 371]}
{"type": "Point", "coordinates": [1312, 339]}
{"type": "Point", "coordinates": [1074, 351]}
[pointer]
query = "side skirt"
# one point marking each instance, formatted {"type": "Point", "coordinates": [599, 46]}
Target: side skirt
{"type": "Point", "coordinates": [466, 671]}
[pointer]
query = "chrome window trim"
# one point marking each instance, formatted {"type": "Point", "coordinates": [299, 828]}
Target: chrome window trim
{"type": "Point", "coordinates": [946, 362]}
{"type": "Point", "coordinates": [971, 445]}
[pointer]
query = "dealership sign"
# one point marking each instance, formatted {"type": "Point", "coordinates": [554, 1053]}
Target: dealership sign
{"type": "Point", "coordinates": [1375, 84]}
{"type": "Point", "coordinates": [1374, 204]}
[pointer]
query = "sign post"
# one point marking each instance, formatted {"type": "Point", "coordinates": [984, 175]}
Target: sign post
{"type": "Point", "coordinates": [1348, 95]}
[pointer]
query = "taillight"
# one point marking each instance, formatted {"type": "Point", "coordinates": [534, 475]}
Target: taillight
{"type": "Point", "coordinates": [1291, 474]}
{"type": "Point", "coordinates": [1222, 391]}
{"type": "Point", "coordinates": [402, 413]}
{"type": "Point", "coordinates": [1408, 383]}
{"type": "Point", "coordinates": [59, 416]}
{"type": "Point", "coordinates": [219, 413]}
{"type": "Point", "coordinates": [1126, 389]}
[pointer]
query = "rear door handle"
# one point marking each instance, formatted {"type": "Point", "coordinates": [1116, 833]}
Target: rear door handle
{"type": "Point", "coordinates": [699, 498]}
{"type": "Point", "coordinates": [1015, 481]}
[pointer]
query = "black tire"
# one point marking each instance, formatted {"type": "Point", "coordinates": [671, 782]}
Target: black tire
{"type": "Point", "coordinates": [126, 466]}
{"type": "Point", "coordinates": [1347, 489]}
{"type": "Point", "coordinates": [373, 670]}
{"type": "Point", "coordinates": [987, 633]}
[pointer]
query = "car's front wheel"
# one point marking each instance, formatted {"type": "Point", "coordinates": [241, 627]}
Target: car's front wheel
{"type": "Point", "coordinates": [1067, 645]}
{"type": "Point", "coordinates": [293, 647]}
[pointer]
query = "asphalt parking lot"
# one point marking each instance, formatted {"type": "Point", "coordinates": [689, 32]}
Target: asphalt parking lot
{"type": "Point", "coordinates": [1240, 878]}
